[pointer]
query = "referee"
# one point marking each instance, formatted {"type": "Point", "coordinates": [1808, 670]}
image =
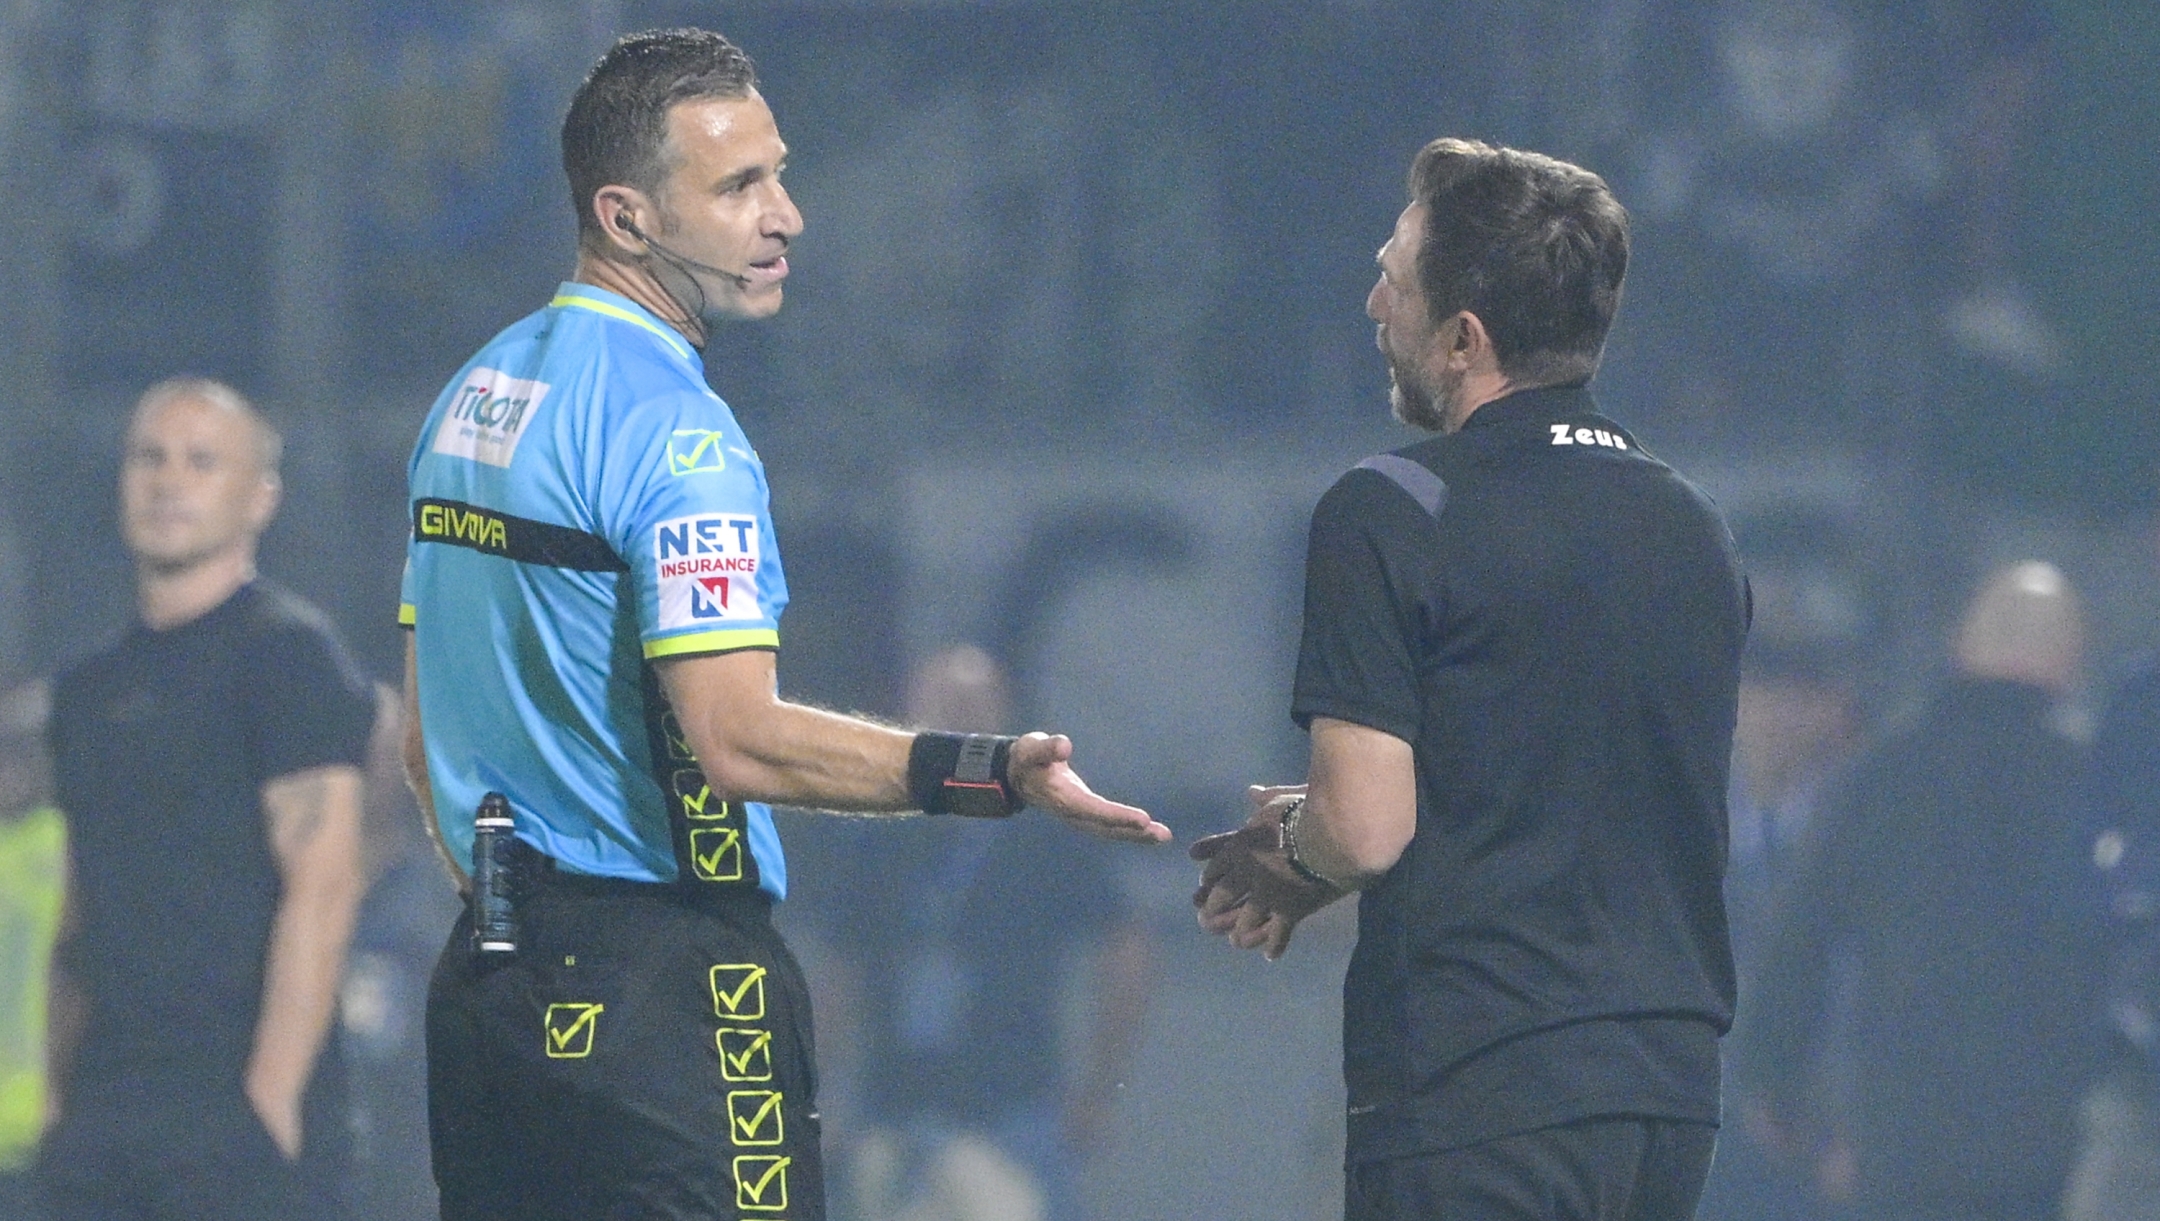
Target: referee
{"type": "Point", "coordinates": [594, 591]}
{"type": "Point", "coordinates": [1519, 669]}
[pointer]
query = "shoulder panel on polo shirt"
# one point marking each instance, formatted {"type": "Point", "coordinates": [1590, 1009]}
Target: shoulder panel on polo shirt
{"type": "Point", "coordinates": [1414, 478]}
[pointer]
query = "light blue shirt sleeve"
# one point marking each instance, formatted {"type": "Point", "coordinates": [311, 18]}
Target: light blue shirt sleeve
{"type": "Point", "coordinates": [683, 500]}
{"type": "Point", "coordinates": [407, 611]}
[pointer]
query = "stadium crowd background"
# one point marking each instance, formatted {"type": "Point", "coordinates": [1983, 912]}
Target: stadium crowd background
{"type": "Point", "coordinates": [1891, 300]}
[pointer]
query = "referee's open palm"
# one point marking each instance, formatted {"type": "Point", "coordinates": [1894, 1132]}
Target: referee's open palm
{"type": "Point", "coordinates": [1041, 770]}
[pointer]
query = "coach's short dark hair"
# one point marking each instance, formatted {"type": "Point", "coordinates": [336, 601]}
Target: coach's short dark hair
{"type": "Point", "coordinates": [1535, 247]}
{"type": "Point", "coordinates": [616, 131]}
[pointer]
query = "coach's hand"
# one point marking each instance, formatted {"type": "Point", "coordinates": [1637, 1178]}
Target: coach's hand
{"type": "Point", "coordinates": [1041, 769]}
{"type": "Point", "coordinates": [1248, 893]}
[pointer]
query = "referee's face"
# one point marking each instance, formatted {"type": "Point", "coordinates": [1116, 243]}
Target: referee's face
{"type": "Point", "coordinates": [723, 206]}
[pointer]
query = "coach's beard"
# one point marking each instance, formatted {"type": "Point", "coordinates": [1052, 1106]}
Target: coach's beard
{"type": "Point", "coordinates": [1413, 402]}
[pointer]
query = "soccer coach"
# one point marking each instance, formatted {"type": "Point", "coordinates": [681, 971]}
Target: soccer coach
{"type": "Point", "coordinates": [1519, 669]}
{"type": "Point", "coordinates": [594, 589]}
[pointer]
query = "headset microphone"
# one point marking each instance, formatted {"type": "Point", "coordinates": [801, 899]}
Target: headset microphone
{"type": "Point", "coordinates": [624, 223]}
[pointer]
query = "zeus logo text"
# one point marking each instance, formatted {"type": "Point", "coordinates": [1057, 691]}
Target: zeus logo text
{"type": "Point", "coordinates": [1568, 434]}
{"type": "Point", "coordinates": [466, 525]}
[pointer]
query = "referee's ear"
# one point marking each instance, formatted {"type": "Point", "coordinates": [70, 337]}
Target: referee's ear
{"type": "Point", "coordinates": [621, 217]}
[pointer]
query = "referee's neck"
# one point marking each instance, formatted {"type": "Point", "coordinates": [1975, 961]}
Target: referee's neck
{"type": "Point", "coordinates": [636, 281]}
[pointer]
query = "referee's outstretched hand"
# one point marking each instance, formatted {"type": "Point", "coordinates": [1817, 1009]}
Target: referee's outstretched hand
{"type": "Point", "coordinates": [1041, 768]}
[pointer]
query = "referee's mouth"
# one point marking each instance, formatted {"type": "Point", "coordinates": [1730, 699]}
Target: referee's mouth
{"type": "Point", "coordinates": [770, 271]}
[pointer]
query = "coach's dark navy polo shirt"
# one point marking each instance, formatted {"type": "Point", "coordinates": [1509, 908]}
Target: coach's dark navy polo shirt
{"type": "Point", "coordinates": [1553, 619]}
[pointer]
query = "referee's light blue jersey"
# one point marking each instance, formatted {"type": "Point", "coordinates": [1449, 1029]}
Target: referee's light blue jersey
{"type": "Point", "coordinates": [583, 506]}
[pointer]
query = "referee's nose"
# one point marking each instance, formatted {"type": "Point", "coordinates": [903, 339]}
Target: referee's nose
{"type": "Point", "coordinates": [783, 219]}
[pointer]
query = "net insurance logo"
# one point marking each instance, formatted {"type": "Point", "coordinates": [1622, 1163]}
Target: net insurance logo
{"type": "Point", "coordinates": [708, 569]}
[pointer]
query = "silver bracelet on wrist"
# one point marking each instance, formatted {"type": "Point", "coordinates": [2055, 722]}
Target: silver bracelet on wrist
{"type": "Point", "coordinates": [1290, 850]}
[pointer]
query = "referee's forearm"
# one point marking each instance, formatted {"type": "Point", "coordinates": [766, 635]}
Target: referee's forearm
{"type": "Point", "coordinates": [755, 746]}
{"type": "Point", "coordinates": [793, 754]}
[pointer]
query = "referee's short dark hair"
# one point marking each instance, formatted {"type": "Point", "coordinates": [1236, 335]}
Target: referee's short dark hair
{"type": "Point", "coordinates": [1535, 247]}
{"type": "Point", "coordinates": [616, 131]}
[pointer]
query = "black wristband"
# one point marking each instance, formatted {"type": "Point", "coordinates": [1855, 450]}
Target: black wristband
{"type": "Point", "coordinates": [966, 774]}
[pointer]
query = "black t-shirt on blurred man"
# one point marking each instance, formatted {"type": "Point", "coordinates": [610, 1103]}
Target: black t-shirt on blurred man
{"type": "Point", "coordinates": [1553, 620]}
{"type": "Point", "coordinates": [161, 746]}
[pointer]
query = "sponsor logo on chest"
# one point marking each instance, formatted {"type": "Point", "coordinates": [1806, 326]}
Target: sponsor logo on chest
{"type": "Point", "coordinates": [707, 568]}
{"type": "Point", "coordinates": [488, 416]}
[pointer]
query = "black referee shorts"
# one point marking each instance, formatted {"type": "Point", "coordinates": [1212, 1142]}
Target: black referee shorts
{"type": "Point", "coordinates": [643, 1055]}
{"type": "Point", "coordinates": [1592, 1170]}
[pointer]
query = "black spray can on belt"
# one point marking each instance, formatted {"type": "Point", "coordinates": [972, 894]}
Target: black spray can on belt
{"type": "Point", "coordinates": [494, 913]}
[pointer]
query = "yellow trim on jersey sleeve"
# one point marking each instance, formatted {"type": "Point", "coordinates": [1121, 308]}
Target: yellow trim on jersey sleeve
{"type": "Point", "coordinates": [407, 614]}
{"type": "Point", "coordinates": [712, 642]}
{"type": "Point", "coordinates": [616, 311]}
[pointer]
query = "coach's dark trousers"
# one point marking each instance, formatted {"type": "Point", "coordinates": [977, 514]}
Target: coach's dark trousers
{"type": "Point", "coordinates": [1593, 1170]}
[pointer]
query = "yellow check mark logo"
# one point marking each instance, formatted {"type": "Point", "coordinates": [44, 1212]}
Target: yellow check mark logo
{"type": "Point", "coordinates": [678, 746]}
{"type": "Point", "coordinates": [754, 1117]}
{"type": "Point", "coordinates": [738, 991]}
{"type": "Point", "coordinates": [570, 1030]}
{"type": "Point", "coordinates": [690, 450]}
{"type": "Point", "coordinates": [761, 1182]}
{"type": "Point", "coordinates": [696, 795]}
{"type": "Point", "coordinates": [745, 1055]}
{"type": "Point", "coordinates": [716, 854]}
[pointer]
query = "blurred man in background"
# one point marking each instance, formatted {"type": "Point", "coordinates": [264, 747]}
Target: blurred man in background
{"type": "Point", "coordinates": [1520, 662]}
{"type": "Point", "coordinates": [966, 972]}
{"type": "Point", "coordinates": [1806, 163]}
{"type": "Point", "coordinates": [210, 767]}
{"type": "Point", "coordinates": [1947, 874]}
{"type": "Point", "coordinates": [1798, 725]}
{"type": "Point", "coordinates": [2118, 1172]}
{"type": "Point", "coordinates": [33, 856]}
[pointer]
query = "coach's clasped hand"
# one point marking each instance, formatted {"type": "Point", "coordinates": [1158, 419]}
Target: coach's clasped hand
{"type": "Point", "coordinates": [1249, 891]}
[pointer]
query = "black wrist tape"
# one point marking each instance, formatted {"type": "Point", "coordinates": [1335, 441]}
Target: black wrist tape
{"type": "Point", "coordinates": [962, 773]}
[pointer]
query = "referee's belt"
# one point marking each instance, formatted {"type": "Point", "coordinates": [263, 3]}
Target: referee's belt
{"type": "Point", "coordinates": [539, 873]}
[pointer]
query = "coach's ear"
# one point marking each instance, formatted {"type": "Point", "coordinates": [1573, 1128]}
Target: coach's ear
{"type": "Point", "coordinates": [1466, 346]}
{"type": "Point", "coordinates": [625, 215]}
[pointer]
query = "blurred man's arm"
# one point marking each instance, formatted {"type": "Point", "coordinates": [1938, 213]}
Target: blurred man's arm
{"type": "Point", "coordinates": [65, 1006]}
{"type": "Point", "coordinates": [412, 751]}
{"type": "Point", "coordinates": [755, 746]}
{"type": "Point", "coordinates": [1124, 977]}
{"type": "Point", "coordinates": [1354, 817]}
{"type": "Point", "coordinates": [314, 825]}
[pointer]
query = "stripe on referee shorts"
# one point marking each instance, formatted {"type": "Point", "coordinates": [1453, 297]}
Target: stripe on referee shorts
{"type": "Point", "coordinates": [514, 538]}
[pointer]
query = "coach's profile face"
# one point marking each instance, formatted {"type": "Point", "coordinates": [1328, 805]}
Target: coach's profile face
{"type": "Point", "coordinates": [721, 205]}
{"type": "Point", "coordinates": [193, 483]}
{"type": "Point", "coordinates": [1417, 351]}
